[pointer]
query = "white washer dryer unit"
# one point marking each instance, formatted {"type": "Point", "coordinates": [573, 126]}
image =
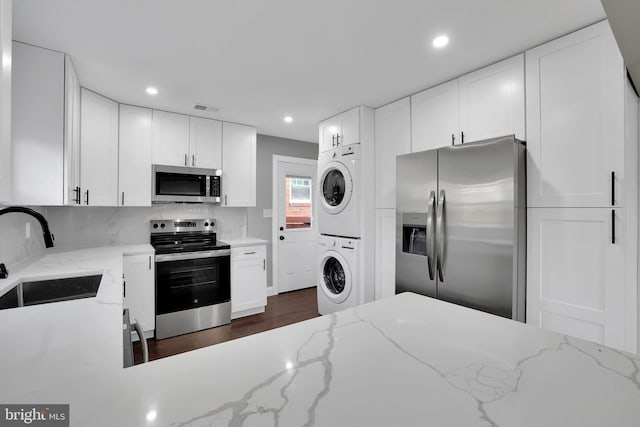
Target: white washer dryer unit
{"type": "Point", "coordinates": [339, 183]}
{"type": "Point", "coordinates": [339, 284]}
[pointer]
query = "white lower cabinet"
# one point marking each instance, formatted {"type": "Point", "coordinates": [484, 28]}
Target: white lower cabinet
{"type": "Point", "coordinates": [385, 269]}
{"type": "Point", "coordinates": [139, 291]}
{"type": "Point", "coordinates": [578, 282]}
{"type": "Point", "coordinates": [248, 280]}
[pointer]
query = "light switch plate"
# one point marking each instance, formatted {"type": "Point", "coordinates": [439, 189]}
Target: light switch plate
{"type": "Point", "coordinates": [267, 213]}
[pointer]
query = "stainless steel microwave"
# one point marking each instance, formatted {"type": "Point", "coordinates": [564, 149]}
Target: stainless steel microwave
{"type": "Point", "coordinates": [178, 184]}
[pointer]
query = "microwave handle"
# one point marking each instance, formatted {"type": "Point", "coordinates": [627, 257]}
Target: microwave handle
{"type": "Point", "coordinates": [185, 159]}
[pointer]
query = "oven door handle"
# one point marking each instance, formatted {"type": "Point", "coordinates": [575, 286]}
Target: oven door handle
{"type": "Point", "coordinates": [192, 255]}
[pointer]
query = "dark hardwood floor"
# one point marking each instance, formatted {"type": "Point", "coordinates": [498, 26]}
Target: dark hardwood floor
{"type": "Point", "coordinates": [281, 310]}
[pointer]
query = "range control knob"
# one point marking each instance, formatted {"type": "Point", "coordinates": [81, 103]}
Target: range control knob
{"type": "Point", "coordinates": [155, 225]}
{"type": "Point", "coordinates": [206, 224]}
{"type": "Point", "coordinates": [333, 243]}
{"type": "Point", "coordinates": [162, 225]}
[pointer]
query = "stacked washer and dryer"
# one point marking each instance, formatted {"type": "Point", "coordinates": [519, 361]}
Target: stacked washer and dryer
{"type": "Point", "coordinates": [346, 213]}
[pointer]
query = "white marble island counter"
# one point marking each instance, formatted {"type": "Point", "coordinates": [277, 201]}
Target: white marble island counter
{"type": "Point", "coordinates": [405, 361]}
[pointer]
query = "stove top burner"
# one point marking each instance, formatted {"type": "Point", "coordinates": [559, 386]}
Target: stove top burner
{"type": "Point", "coordinates": [184, 235]}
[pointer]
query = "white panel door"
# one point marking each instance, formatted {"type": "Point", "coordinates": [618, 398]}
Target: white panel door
{"type": "Point", "coordinates": [205, 143]}
{"type": "Point", "coordinates": [492, 101]}
{"type": "Point", "coordinates": [139, 290]}
{"type": "Point", "coordinates": [5, 102]}
{"type": "Point", "coordinates": [99, 150]}
{"type": "Point", "coordinates": [248, 278]}
{"type": "Point", "coordinates": [328, 131]}
{"type": "Point", "coordinates": [392, 138]}
{"type": "Point", "coordinates": [37, 125]}
{"type": "Point", "coordinates": [297, 231]}
{"type": "Point", "coordinates": [349, 127]}
{"type": "Point", "coordinates": [134, 175]}
{"type": "Point", "coordinates": [434, 117]}
{"type": "Point", "coordinates": [385, 269]}
{"type": "Point", "coordinates": [576, 280]}
{"type": "Point", "coordinates": [170, 139]}
{"type": "Point", "coordinates": [238, 165]}
{"type": "Point", "coordinates": [575, 120]}
{"type": "Point", "coordinates": [71, 135]}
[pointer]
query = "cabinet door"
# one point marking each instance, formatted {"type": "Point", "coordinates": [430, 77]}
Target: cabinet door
{"type": "Point", "coordinates": [170, 139]}
{"type": "Point", "coordinates": [349, 127]}
{"type": "Point", "coordinates": [139, 290]}
{"type": "Point", "coordinates": [575, 120]}
{"type": "Point", "coordinates": [37, 125]}
{"type": "Point", "coordinates": [71, 135]}
{"type": "Point", "coordinates": [134, 173]}
{"type": "Point", "coordinates": [385, 269]}
{"type": "Point", "coordinates": [238, 165]}
{"type": "Point", "coordinates": [99, 150]}
{"type": "Point", "coordinates": [5, 102]}
{"type": "Point", "coordinates": [327, 133]}
{"type": "Point", "coordinates": [248, 278]}
{"type": "Point", "coordinates": [392, 137]}
{"type": "Point", "coordinates": [492, 101]}
{"type": "Point", "coordinates": [434, 117]}
{"type": "Point", "coordinates": [205, 143]}
{"type": "Point", "coordinates": [576, 280]}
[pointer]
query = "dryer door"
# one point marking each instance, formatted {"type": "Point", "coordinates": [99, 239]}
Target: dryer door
{"type": "Point", "coordinates": [336, 187]}
{"type": "Point", "coordinates": [335, 277]}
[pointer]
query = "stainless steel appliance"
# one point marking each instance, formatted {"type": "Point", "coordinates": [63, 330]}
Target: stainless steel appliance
{"type": "Point", "coordinates": [186, 185]}
{"type": "Point", "coordinates": [193, 284]}
{"type": "Point", "coordinates": [461, 225]}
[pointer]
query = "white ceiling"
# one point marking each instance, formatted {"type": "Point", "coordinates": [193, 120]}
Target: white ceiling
{"type": "Point", "coordinates": [260, 60]}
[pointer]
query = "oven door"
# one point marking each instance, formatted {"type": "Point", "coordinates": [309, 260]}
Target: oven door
{"type": "Point", "coordinates": [191, 280]}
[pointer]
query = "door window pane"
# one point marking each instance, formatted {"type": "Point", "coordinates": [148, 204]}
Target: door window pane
{"type": "Point", "coordinates": [298, 202]}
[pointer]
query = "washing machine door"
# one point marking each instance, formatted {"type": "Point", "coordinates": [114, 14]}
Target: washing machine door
{"type": "Point", "coordinates": [336, 187]}
{"type": "Point", "coordinates": [335, 277]}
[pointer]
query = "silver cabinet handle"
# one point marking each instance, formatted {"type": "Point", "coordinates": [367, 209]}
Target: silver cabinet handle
{"type": "Point", "coordinates": [143, 340]}
{"type": "Point", "coordinates": [431, 238]}
{"type": "Point", "coordinates": [338, 139]}
{"type": "Point", "coordinates": [149, 262]}
{"type": "Point", "coordinates": [193, 160]}
{"type": "Point", "coordinates": [122, 199]}
{"type": "Point", "coordinates": [440, 232]}
{"type": "Point", "coordinates": [87, 199]}
{"type": "Point", "coordinates": [264, 264]}
{"type": "Point", "coordinates": [333, 140]}
{"type": "Point", "coordinates": [249, 253]}
{"type": "Point", "coordinates": [225, 199]}
{"type": "Point", "coordinates": [185, 159]}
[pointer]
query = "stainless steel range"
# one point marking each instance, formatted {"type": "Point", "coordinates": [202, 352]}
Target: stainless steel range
{"type": "Point", "coordinates": [193, 287]}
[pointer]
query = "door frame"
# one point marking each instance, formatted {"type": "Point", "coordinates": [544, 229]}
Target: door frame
{"type": "Point", "coordinates": [273, 290]}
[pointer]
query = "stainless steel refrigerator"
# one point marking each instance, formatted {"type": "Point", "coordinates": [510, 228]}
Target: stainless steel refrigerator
{"type": "Point", "coordinates": [461, 225]}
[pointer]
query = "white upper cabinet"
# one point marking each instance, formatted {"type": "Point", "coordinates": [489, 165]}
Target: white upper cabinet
{"type": "Point", "coordinates": [134, 172]}
{"type": "Point", "coordinates": [71, 135]}
{"type": "Point", "coordinates": [340, 130]}
{"type": "Point", "coordinates": [492, 101]}
{"type": "Point", "coordinates": [575, 121]}
{"type": "Point", "coordinates": [37, 125]}
{"type": "Point", "coordinates": [170, 139]}
{"type": "Point", "coordinates": [434, 117]}
{"type": "Point", "coordinates": [205, 143]}
{"type": "Point", "coordinates": [238, 165]}
{"type": "Point", "coordinates": [5, 102]}
{"type": "Point", "coordinates": [484, 104]}
{"type": "Point", "coordinates": [392, 138]}
{"type": "Point", "coordinates": [99, 150]}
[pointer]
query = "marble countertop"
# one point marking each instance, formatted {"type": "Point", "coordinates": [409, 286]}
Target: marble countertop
{"type": "Point", "coordinates": [246, 241]}
{"type": "Point", "coordinates": [404, 361]}
{"type": "Point", "coordinates": [61, 342]}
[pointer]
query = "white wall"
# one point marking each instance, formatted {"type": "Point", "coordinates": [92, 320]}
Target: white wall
{"type": "Point", "coordinates": [14, 246]}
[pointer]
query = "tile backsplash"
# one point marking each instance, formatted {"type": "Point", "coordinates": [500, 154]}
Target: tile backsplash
{"type": "Point", "coordinates": [85, 227]}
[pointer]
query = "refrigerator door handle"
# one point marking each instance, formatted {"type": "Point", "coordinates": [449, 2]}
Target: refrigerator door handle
{"type": "Point", "coordinates": [440, 236]}
{"type": "Point", "coordinates": [431, 238]}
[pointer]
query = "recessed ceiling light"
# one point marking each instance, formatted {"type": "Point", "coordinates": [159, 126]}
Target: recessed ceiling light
{"type": "Point", "coordinates": [288, 119]}
{"type": "Point", "coordinates": [440, 42]}
{"type": "Point", "coordinates": [152, 90]}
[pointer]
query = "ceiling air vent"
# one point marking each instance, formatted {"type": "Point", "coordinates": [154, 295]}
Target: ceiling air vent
{"type": "Point", "coordinates": [204, 107]}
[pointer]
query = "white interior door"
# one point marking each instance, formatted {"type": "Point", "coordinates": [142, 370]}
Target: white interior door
{"type": "Point", "coordinates": [295, 231]}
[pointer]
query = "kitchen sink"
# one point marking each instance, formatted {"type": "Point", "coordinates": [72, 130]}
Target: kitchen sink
{"type": "Point", "coordinates": [52, 290]}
